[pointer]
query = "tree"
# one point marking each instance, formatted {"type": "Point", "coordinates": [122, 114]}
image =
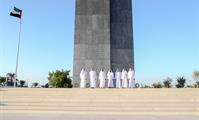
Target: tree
{"type": "Point", "coordinates": [35, 84]}
{"type": "Point", "coordinates": [196, 77]}
{"type": "Point", "coordinates": [190, 86]}
{"type": "Point", "coordinates": [46, 85]}
{"type": "Point", "coordinates": [22, 83]}
{"type": "Point", "coordinates": [60, 79]}
{"type": "Point", "coordinates": [196, 85]}
{"type": "Point", "coordinates": [157, 85]}
{"type": "Point", "coordinates": [181, 82]}
{"type": "Point", "coordinates": [167, 82]}
{"type": "Point", "coordinates": [2, 79]}
{"type": "Point", "coordinates": [145, 86]}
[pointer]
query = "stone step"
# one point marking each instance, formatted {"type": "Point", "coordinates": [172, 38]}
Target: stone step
{"type": "Point", "coordinates": [138, 104]}
{"type": "Point", "coordinates": [101, 95]}
{"type": "Point", "coordinates": [100, 101]}
{"type": "Point", "coordinates": [104, 113]}
{"type": "Point", "coordinates": [104, 108]}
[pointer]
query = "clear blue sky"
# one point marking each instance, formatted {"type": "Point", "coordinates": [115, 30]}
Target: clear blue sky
{"type": "Point", "coordinates": [166, 34]}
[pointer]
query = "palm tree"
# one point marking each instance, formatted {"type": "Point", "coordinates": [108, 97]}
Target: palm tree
{"type": "Point", "coordinates": [181, 82]}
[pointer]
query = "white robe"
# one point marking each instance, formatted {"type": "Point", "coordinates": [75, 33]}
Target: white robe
{"type": "Point", "coordinates": [110, 77]}
{"type": "Point", "coordinates": [93, 78]}
{"type": "Point", "coordinates": [124, 79]}
{"type": "Point", "coordinates": [131, 79]}
{"type": "Point", "coordinates": [118, 79]}
{"type": "Point", "coordinates": [102, 79]}
{"type": "Point", "coordinates": [83, 78]}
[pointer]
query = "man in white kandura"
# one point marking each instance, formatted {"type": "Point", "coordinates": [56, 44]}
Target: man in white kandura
{"type": "Point", "coordinates": [131, 79]}
{"type": "Point", "coordinates": [83, 78]}
{"type": "Point", "coordinates": [102, 78]}
{"type": "Point", "coordinates": [93, 78]}
{"type": "Point", "coordinates": [124, 79]}
{"type": "Point", "coordinates": [110, 77]}
{"type": "Point", "coordinates": [118, 79]}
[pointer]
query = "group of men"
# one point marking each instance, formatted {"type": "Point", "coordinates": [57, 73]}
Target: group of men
{"type": "Point", "coordinates": [118, 79]}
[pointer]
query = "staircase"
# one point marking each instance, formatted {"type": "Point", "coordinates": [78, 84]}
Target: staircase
{"type": "Point", "coordinates": [100, 101]}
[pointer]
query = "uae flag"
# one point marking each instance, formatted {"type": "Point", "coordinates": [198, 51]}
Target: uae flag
{"type": "Point", "coordinates": [16, 12]}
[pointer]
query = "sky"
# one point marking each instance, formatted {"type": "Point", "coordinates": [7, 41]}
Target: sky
{"type": "Point", "coordinates": [166, 36]}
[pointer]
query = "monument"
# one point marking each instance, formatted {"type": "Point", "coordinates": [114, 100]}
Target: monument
{"type": "Point", "coordinates": [103, 36]}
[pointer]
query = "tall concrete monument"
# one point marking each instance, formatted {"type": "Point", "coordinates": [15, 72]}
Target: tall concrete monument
{"type": "Point", "coordinates": [103, 36]}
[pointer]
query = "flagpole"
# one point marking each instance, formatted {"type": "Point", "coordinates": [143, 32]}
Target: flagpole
{"type": "Point", "coordinates": [18, 48]}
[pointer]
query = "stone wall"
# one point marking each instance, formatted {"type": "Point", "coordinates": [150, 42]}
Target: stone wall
{"type": "Point", "coordinates": [121, 34]}
{"type": "Point", "coordinates": [103, 36]}
{"type": "Point", "coordinates": [92, 36]}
